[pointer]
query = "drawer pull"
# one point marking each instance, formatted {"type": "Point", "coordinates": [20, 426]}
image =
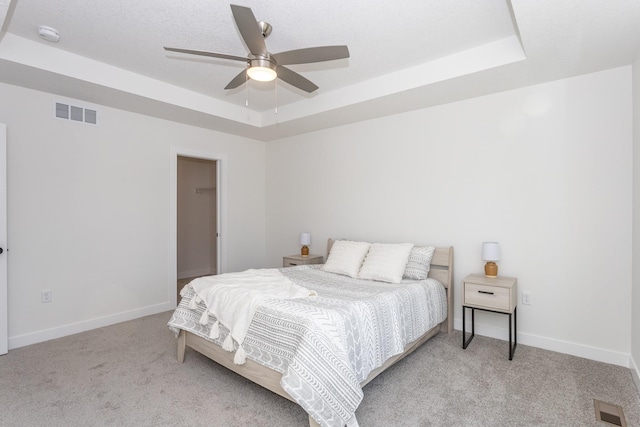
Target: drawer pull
{"type": "Point", "coordinates": [292, 263]}
{"type": "Point", "coordinates": [486, 292]}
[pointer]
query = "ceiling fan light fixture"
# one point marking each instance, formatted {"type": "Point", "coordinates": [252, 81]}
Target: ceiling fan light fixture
{"type": "Point", "coordinates": [262, 74]}
{"type": "Point", "coordinates": [262, 70]}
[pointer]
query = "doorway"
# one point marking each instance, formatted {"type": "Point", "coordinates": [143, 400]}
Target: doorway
{"type": "Point", "coordinates": [197, 219]}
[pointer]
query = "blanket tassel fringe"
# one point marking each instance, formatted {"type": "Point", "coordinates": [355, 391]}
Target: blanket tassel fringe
{"type": "Point", "coordinates": [193, 304]}
{"type": "Point", "coordinates": [228, 343]}
{"type": "Point", "coordinates": [241, 356]}
{"type": "Point", "coordinates": [184, 289]}
{"type": "Point", "coordinates": [204, 319]}
{"type": "Point", "coordinates": [214, 333]}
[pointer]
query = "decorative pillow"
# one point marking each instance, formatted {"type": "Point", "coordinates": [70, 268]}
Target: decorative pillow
{"type": "Point", "coordinates": [419, 262]}
{"type": "Point", "coordinates": [385, 262]}
{"type": "Point", "coordinates": [346, 257]}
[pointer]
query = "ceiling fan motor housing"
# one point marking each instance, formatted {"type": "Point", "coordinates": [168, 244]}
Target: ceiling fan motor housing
{"type": "Point", "coordinates": [262, 61]}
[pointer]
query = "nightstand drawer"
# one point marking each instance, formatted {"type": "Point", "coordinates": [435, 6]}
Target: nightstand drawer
{"type": "Point", "coordinates": [294, 260]}
{"type": "Point", "coordinates": [490, 297]}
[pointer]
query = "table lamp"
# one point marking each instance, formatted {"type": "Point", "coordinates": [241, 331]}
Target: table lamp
{"type": "Point", "coordinates": [491, 254]}
{"type": "Point", "coordinates": [305, 241]}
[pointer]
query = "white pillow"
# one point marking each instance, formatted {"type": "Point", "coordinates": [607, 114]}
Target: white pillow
{"type": "Point", "coordinates": [346, 257]}
{"type": "Point", "coordinates": [419, 262]}
{"type": "Point", "coordinates": [385, 262]}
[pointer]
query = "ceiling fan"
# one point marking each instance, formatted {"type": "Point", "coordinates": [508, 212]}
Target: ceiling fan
{"type": "Point", "coordinates": [265, 66]}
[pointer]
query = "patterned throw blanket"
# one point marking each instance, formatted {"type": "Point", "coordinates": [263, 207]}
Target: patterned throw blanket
{"type": "Point", "coordinates": [325, 346]}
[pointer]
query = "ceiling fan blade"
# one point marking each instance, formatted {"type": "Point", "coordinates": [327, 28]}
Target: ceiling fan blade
{"type": "Point", "coordinates": [296, 79]}
{"type": "Point", "coordinates": [237, 80]}
{"type": "Point", "coordinates": [311, 54]}
{"type": "Point", "coordinates": [249, 29]}
{"type": "Point", "coordinates": [202, 53]}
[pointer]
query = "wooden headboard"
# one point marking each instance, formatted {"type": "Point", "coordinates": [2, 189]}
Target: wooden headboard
{"type": "Point", "coordinates": [441, 270]}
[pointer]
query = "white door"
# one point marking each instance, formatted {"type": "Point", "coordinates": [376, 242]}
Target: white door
{"type": "Point", "coordinates": [4, 320]}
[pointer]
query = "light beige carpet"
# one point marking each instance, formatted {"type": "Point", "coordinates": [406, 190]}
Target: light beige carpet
{"type": "Point", "coordinates": [127, 375]}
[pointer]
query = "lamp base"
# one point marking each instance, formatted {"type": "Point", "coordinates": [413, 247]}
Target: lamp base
{"type": "Point", "coordinates": [491, 269]}
{"type": "Point", "coordinates": [305, 251]}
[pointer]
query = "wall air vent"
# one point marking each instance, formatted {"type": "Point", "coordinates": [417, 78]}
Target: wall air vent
{"type": "Point", "coordinates": [76, 114]}
{"type": "Point", "coordinates": [90, 116]}
{"type": "Point", "coordinates": [62, 111]}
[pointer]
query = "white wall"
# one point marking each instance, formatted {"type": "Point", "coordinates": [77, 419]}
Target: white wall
{"type": "Point", "coordinates": [635, 300]}
{"type": "Point", "coordinates": [88, 212]}
{"type": "Point", "coordinates": [544, 170]}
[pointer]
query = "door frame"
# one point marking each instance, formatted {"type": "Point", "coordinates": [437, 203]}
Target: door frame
{"type": "Point", "coordinates": [4, 288]}
{"type": "Point", "coordinates": [221, 211]}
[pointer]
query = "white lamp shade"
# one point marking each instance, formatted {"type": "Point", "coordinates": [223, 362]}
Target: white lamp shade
{"type": "Point", "coordinates": [491, 251]}
{"type": "Point", "coordinates": [305, 239]}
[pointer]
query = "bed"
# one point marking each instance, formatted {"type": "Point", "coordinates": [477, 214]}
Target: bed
{"type": "Point", "coordinates": [320, 351]}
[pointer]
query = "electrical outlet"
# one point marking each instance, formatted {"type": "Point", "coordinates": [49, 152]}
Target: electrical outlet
{"type": "Point", "coordinates": [526, 298]}
{"type": "Point", "coordinates": [46, 296]}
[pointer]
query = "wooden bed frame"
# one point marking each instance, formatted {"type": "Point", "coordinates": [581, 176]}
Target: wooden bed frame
{"type": "Point", "coordinates": [441, 270]}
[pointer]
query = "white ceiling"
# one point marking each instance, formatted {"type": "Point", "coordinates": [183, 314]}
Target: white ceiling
{"type": "Point", "coordinates": [404, 55]}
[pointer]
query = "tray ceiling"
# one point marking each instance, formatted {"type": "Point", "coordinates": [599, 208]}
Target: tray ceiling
{"type": "Point", "coordinates": [404, 56]}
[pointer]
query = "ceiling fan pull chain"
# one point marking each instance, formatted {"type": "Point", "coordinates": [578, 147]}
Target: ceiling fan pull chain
{"type": "Point", "coordinates": [246, 85]}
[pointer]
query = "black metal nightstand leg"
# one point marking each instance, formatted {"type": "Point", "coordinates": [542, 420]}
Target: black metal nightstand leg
{"type": "Point", "coordinates": [513, 328]}
{"type": "Point", "coordinates": [465, 344]}
{"type": "Point", "coordinates": [512, 349]}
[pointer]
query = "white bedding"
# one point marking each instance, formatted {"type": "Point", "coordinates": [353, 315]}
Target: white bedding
{"type": "Point", "coordinates": [325, 346]}
{"type": "Point", "coordinates": [233, 299]}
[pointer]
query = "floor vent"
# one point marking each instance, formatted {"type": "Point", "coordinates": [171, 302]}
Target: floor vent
{"type": "Point", "coordinates": [76, 114]}
{"type": "Point", "coordinates": [609, 414]}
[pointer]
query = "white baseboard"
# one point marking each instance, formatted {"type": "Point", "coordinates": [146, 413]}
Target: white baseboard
{"type": "Point", "coordinates": [86, 325]}
{"type": "Point", "coordinates": [195, 273]}
{"type": "Point", "coordinates": [566, 347]}
{"type": "Point", "coordinates": [635, 373]}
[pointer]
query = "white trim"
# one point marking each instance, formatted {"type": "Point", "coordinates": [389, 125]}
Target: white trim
{"type": "Point", "coordinates": [86, 325]}
{"type": "Point", "coordinates": [221, 204]}
{"type": "Point", "coordinates": [580, 350]}
{"type": "Point", "coordinates": [635, 373]}
{"type": "Point", "coordinates": [4, 296]}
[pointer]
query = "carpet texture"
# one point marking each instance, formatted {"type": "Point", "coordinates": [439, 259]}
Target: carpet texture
{"type": "Point", "coordinates": [117, 376]}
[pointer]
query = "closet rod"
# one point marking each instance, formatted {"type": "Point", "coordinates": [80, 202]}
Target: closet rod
{"type": "Point", "coordinates": [205, 190]}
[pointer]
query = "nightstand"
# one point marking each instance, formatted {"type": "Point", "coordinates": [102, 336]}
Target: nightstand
{"type": "Point", "coordinates": [293, 260]}
{"type": "Point", "coordinates": [494, 294]}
